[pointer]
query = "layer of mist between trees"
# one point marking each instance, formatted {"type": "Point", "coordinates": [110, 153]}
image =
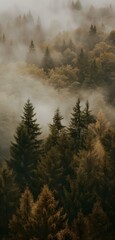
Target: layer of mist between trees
{"type": "Point", "coordinates": [78, 61]}
{"type": "Point", "coordinates": [53, 68]}
{"type": "Point", "coordinates": [14, 91]}
{"type": "Point", "coordinates": [57, 149]}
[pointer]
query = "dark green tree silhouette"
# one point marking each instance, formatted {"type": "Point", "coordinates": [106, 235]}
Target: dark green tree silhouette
{"type": "Point", "coordinates": [26, 149]}
{"type": "Point", "coordinates": [76, 127]}
{"type": "Point", "coordinates": [88, 117]}
{"type": "Point", "coordinates": [9, 194]}
{"type": "Point", "coordinates": [47, 62]}
{"type": "Point", "coordinates": [32, 55]}
{"type": "Point", "coordinates": [56, 129]}
{"type": "Point", "coordinates": [83, 66]}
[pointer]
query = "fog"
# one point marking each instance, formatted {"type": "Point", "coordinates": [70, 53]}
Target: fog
{"type": "Point", "coordinates": [51, 12]}
{"type": "Point", "coordinates": [15, 87]}
{"type": "Point", "coordinates": [34, 4]}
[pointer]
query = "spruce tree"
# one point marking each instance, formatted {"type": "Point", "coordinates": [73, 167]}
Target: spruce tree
{"type": "Point", "coordinates": [88, 117]}
{"type": "Point", "coordinates": [26, 150]}
{"type": "Point", "coordinates": [57, 121]}
{"type": "Point", "coordinates": [76, 127]}
{"type": "Point", "coordinates": [55, 130]}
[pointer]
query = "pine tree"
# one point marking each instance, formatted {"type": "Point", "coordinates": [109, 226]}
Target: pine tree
{"type": "Point", "coordinates": [72, 46]}
{"type": "Point", "coordinates": [26, 150]}
{"type": "Point", "coordinates": [19, 225]}
{"type": "Point", "coordinates": [47, 62]}
{"type": "Point", "coordinates": [83, 65]}
{"type": "Point", "coordinates": [55, 130]}
{"type": "Point", "coordinates": [57, 121]}
{"type": "Point", "coordinates": [88, 117]}
{"type": "Point", "coordinates": [47, 218]}
{"type": "Point", "coordinates": [94, 76]}
{"type": "Point", "coordinates": [31, 55]}
{"type": "Point", "coordinates": [93, 29]}
{"type": "Point", "coordinates": [76, 127]}
{"type": "Point", "coordinates": [51, 171]}
{"type": "Point", "coordinates": [9, 194]}
{"type": "Point", "coordinates": [99, 223]}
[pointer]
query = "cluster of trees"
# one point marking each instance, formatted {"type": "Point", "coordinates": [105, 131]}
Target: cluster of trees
{"type": "Point", "coordinates": [85, 59]}
{"type": "Point", "coordinates": [63, 186]}
{"type": "Point", "coordinates": [80, 58]}
{"type": "Point", "coordinates": [76, 5]}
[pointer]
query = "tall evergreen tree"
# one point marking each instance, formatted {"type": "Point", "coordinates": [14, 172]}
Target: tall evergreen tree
{"type": "Point", "coordinates": [51, 171]}
{"type": "Point", "coordinates": [47, 62]}
{"type": "Point", "coordinates": [83, 65]}
{"type": "Point", "coordinates": [9, 194]}
{"type": "Point", "coordinates": [26, 150]}
{"type": "Point", "coordinates": [99, 223]}
{"type": "Point", "coordinates": [88, 117]}
{"type": "Point", "coordinates": [55, 130]}
{"type": "Point", "coordinates": [76, 127]}
{"type": "Point", "coordinates": [57, 121]}
{"type": "Point", "coordinates": [19, 224]}
{"type": "Point", "coordinates": [31, 55]}
{"type": "Point", "coordinates": [94, 77]}
{"type": "Point", "coordinates": [47, 218]}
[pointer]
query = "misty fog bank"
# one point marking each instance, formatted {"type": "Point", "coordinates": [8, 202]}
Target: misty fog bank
{"type": "Point", "coordinates": [56, 16]}
{"type": "Point", "coordinates": [56, 25]}
{"type": "Point", "coordinates": [17, 88]}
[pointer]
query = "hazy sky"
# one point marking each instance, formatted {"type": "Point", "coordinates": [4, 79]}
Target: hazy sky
{"type": "Point", "coordinates": [49, 11]}
{"type": "Point", "coordinates": [33, 4]}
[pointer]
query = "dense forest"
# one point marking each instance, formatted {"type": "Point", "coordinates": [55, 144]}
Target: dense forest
{"type": "Point", "coordinates": [57, 182]}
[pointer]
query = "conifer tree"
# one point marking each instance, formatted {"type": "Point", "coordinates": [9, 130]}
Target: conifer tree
{"type": "Point", "coordinates": [51, 171]}
{"type": "Point", "coordinates": [55, 130]}
{"type": "Point", "coordinates": [94, 77]}
{"type": "Point", "coordinates": [99, 223]}
{"type": "Point", "coordinates": [19, 225]}
{"type": "Point", "coordinates": [31, 55]}
{"type": "Point", "coordinates": [93, 29]}
{"type": "Point", "coordinates": [26, 149]}
{"type": "Point", "coordinates": [47, 62]}
{"type": "Point", "coordinates": [47, 218]}
{"type": "Point", "coordinates": [57, 120]}
{"type": "Point", "coordinates": [83, 65]}
{"type": "Point", "coordinates": [88, 117]}
{"type": "Point", "coordinates": [76, 127]}
{"type": "Point", "coordinates": [9, 194]}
